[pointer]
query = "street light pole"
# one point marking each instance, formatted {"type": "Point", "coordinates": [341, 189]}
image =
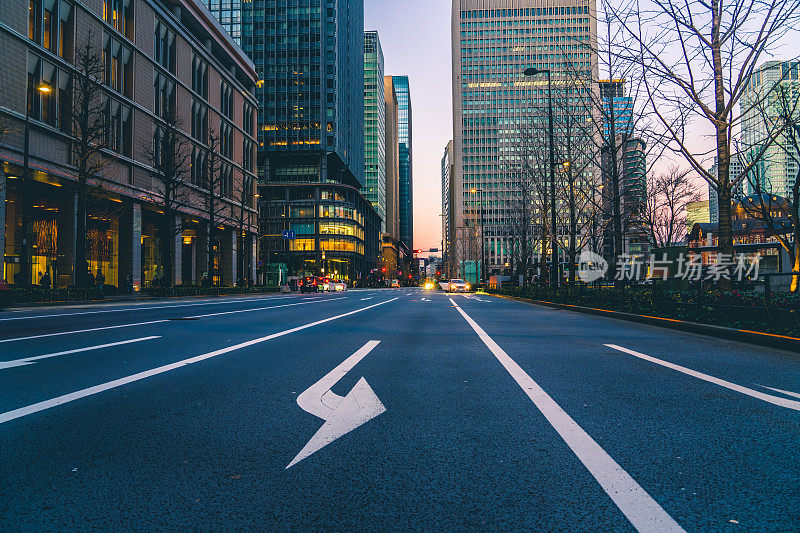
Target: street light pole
{"type": "Point", "coordinates": [533, 71]}
{"type": "Point", "coordinates": [483, 255]}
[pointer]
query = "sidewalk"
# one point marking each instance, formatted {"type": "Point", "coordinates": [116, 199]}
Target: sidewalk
{"type": "Point", "coordinates": [120, 298]}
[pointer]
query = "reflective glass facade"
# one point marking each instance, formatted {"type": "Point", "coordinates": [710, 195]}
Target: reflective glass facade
{"type": "Point", "coordinates": [374, 188]}
{"type": "Point", "coordinates": [401, 87]}
{"type": "Point", "coordinates": [229, 15]}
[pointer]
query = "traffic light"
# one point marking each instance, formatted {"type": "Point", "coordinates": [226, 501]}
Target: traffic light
{"type": "Point", "coordinates": [383, 269]}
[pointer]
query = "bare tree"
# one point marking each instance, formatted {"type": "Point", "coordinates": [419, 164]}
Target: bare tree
{"type": "Point", "coordinates": [242, 215]}
{"type": "Point", "coordinates": [169, 158]}
{"type": "Point", "coordinates": [664, 216]}
{"type": "Point", "coordinates": [697, 57]}
{"type": "Point", "coordinates": [89, 135]}
{"type": "Point", "coordinates": [214, 206]}
{"type": "Point", "coordinates": [779, 112]}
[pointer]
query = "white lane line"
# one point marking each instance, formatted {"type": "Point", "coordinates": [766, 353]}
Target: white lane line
{"type": "Point", "coordinates": [32, 360]}
{"type": "Point", "coordinates": [775, 400]}
{"type": "Point", "coordinates": [370, 298]}
{"type": "Point", "coordinates": [71, 397]}
{"type": "Point", "coordinates": [45, 335]}
{"type": "Point", "coordinates": [635, 503]}
{"type": "Point", "coordinates": [144, 308]}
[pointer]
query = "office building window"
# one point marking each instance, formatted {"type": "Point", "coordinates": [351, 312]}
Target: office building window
{"type": "Point", "coordinates": [118, 66]}
{"type": "Point", "coordinates": [119, 15]}
{"type": "Point", "coordinates": [226, 100]}
{"type": "Point", "coordinates": [164, 46]}
{"type": "Point", "coordinates": [164, 96]}
{"type": "Point", "coordinates": [199, 122]}
{"type": "Point", "coordinates": [200, 77]}
{"type": "Point", "coordinates": [50, 25]}
{"type": "Point", "coordinates": [119, 127]}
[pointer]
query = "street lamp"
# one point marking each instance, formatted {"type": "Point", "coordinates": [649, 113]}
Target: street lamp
{"type": "Point", "coordinates": [483, 258]}
{"type": "Point", "coordinates": [24, 261]}
{"type": "Point", "coordinates": [533, 71]}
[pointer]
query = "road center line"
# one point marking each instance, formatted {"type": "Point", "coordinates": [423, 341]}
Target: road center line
{"type": "Point", "coordinates": [31, 360]}
{"type": "Point", "coordinates": [775, 400]}
{"type": "Point", "coordinates": [44, 335]}
{"type": "Point", "coordinates": [71, 397]}
{"type": "Point", "coordinates": [635, 503]}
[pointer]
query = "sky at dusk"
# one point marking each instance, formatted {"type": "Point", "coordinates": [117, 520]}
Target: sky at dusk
{"type": "Point", "coordinates": [415, 35]}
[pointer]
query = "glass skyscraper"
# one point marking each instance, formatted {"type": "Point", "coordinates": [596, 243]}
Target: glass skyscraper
{"type": "Point", "coordinates": [374, 188]}
{"type": "Point", "coordinates": [493, 42]}
{"type": "Point", "coordinates": [405, 157]}
{"type": "Point", "coordinates": [229, 15]}
{"type": "Point", "coordinates": [309, 55]}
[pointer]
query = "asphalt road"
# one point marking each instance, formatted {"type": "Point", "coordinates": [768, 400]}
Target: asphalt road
{"type": "Point", "coordinates": [388, 410]}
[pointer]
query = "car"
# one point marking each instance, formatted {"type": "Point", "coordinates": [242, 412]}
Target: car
{"type": "Point", "coordinates": [394, 284]}
{"type": "Point", "coordinates": [430, 285]}
{"type": "Point", "coordinates": [325, 284]}
{"type": "Point", "coordinates": [458, 285]}
{"type": "Point", "coordinates": [309, 284]}
{"type": "Point", "coordinates": [339, 285]}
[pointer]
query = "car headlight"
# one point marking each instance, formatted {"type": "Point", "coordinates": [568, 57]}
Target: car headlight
{"type": "Point", "coordinates": [466, 286]}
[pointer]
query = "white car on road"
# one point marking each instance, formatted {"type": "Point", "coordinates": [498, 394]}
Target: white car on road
{"type": "Point", "coordinates": [458, 285]}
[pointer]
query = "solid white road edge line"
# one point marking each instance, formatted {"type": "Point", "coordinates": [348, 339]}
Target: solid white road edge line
{"type": "Point", "coordinates": [342, 414]}
{"type": "Point", "coordinates": [644, 513]}
{"type": "Point", "coordinates": [71, 397]}
{"type": "Point", "coordinates": [786, 392]}
{"type": "Point", "coordinates": [33, 359]}
{"type": "Point", "coordinates": [44, 335]}
{"type": "Point", "coordinates": [782, 402]}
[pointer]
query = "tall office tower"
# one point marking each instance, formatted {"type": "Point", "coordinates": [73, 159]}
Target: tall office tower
{"type": "Point", "coordinates": [737, 193]}
{"type": "Point", "coordinates": [447, 211]}
{"type": "Point", "coordinates": [493, 42]}
{"type": "Point", "coordinates": [403, 91]}
{"type": "Point", "coordinates": [772, 91]}
{"type": "Point", "coordinates": [392, 161]}
{"type": "Point", "coordinates": [631, 164]}
{"type": "Point", "coordinates": [229, 13]}
{"type": "Point", "coordinates": [374, 188]}
{"type": "Point", "coordinates": [310, 60]}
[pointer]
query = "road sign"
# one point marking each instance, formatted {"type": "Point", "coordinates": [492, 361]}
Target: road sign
{"type": "Point", "coordinates": [289, 234]}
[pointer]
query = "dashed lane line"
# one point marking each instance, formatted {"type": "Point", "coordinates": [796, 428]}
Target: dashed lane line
{"type": "Point", "coordinates": [775, 400]}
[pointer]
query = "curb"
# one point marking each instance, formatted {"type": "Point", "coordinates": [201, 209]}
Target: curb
{"type": "Point", "coordinates": [61, 303]}
{"type": "Point", "coordinates": [769, 340]}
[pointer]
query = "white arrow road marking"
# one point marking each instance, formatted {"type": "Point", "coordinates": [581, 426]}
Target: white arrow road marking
{"type": "Point", "coordinates": [644, 513]}
{"type": "Point", "coordinates": [786, 392]}
{"type": "Point", "coordinates": [341, 415]}
{"type": "Point", "coordinates": [32, 360]}
{"type": "Point", "coordinates": [782, 402]}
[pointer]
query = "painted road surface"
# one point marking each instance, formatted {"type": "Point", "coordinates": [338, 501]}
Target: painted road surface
{"type": "Point", "coordinates": [388, 409]}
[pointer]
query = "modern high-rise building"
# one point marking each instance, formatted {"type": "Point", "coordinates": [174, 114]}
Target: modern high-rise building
{"type": "Point", "coordinates": [737, 193]}
{"type": "Point", "coordinates": [493, 42]}
{"type": "Point", "coordinates": [374, 188]}
{"type": "Point", "coordinates": [392, 160]}
{"type": "Point", "coordinates": [448, 220]}
{"type": "Point", "coordinates": [230, 15]}
{"type": "Point", "coordinates": [617, 106]}
{"type": "Point", "coordinates": [696, 213]}
{"type": "Point", "coordinates": [406, 160]}
{"type": "Point", "coordinates": [772, 91]}
{"type": "Point", "coordinates": [310, 61]}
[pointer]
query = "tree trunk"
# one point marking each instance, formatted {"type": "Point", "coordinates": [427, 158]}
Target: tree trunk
{"type": "Point", "coordinates": [167, 243]}
{"type": "Point", "coordinates": [80, 264]}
